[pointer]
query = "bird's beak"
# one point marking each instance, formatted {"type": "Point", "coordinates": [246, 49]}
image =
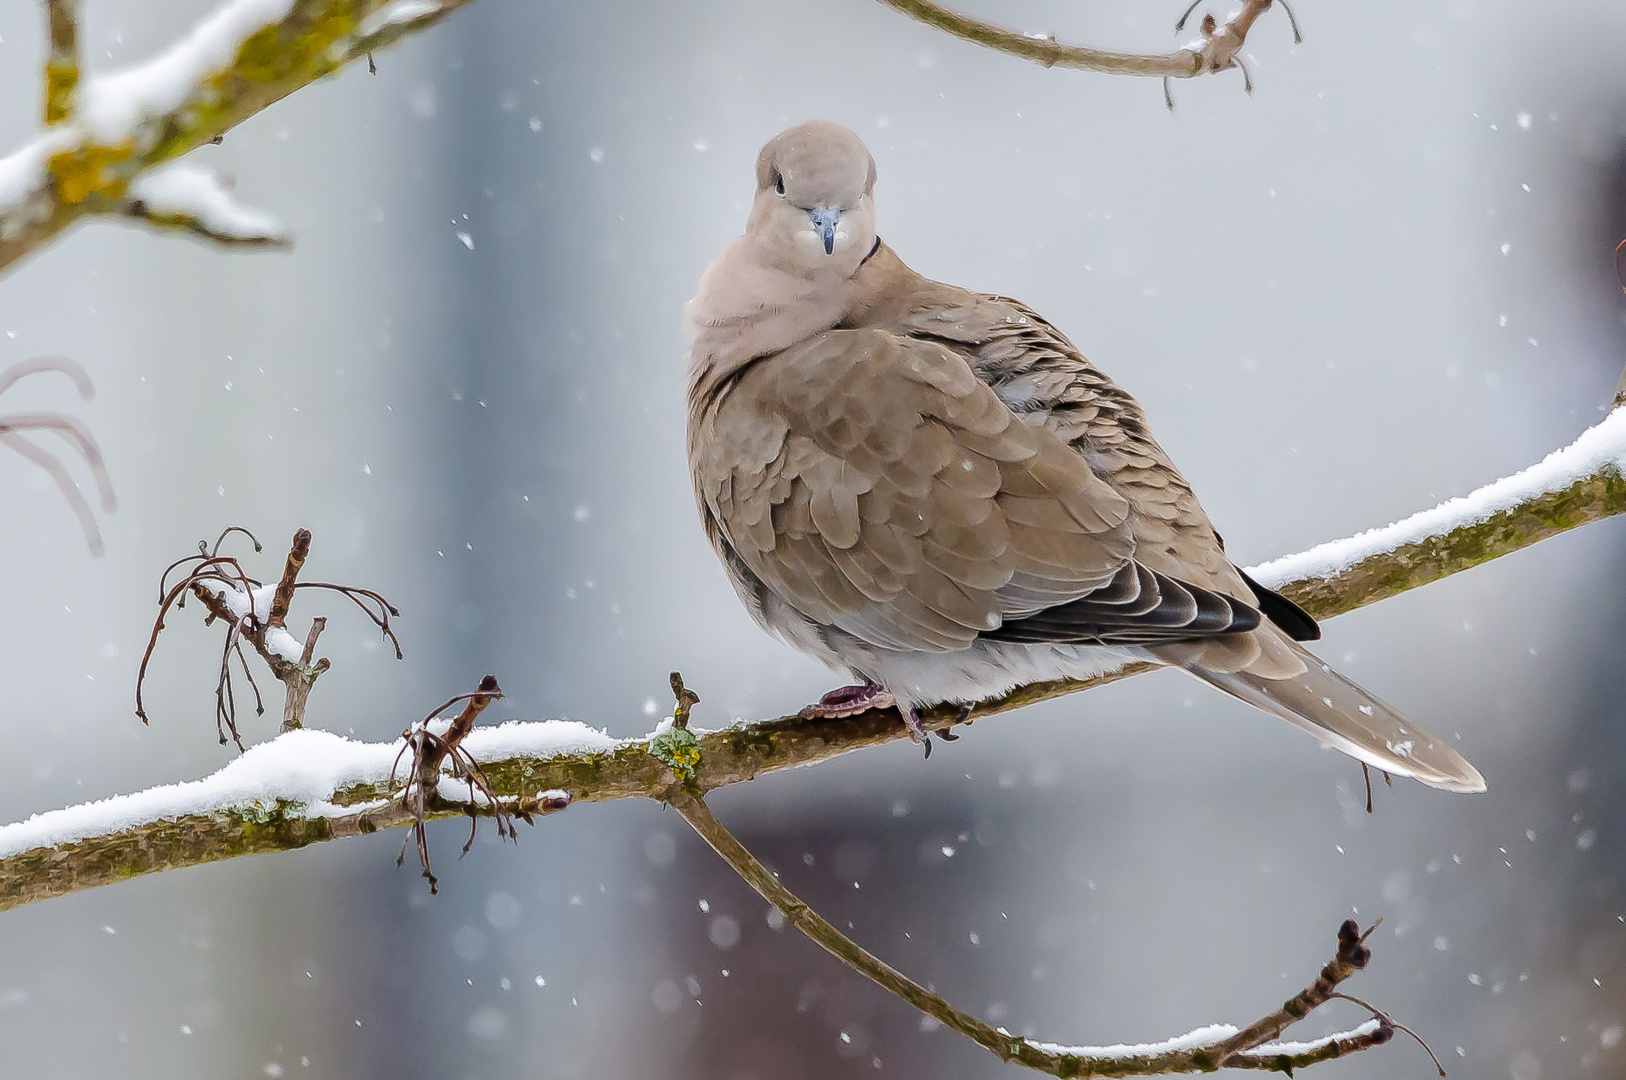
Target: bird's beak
{"type": "Point", "coordinates": [824, 223]}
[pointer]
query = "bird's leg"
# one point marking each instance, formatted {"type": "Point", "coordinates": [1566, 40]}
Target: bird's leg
{"type": "Point", "coordinates": [849, 701]}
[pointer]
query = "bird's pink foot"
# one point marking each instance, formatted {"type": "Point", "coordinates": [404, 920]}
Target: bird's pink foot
{"type": "Point", "coordinates": [849, 701]}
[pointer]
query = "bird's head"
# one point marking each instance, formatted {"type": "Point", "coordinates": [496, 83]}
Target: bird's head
{"type": "Point", "coordinates": [815, 201]}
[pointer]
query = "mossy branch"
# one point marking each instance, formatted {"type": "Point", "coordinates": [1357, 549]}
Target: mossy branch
{"type": "Point", "coordinates": [104, 134]}
{"type": "Point", "coordinates": [1579, 484]}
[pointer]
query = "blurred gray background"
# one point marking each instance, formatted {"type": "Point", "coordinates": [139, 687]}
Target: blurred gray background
{"type": "Point", "coordinates": [1380, 281]}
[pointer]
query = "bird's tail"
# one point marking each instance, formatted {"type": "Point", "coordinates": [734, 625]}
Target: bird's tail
{"type": "Point", "coordinates": [1322, 702]}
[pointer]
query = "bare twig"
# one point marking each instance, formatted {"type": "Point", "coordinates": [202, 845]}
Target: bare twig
{"type": "Point", "coordinates": [686, 700]}
{"type": "Point", "coordinates": [1620, 276]}
{"type": "Point", "coordinates": [1247, 1049]}
{"type": "Point", "coordinates": [1379, 1014]}
{"type": "Point", "coordinates": [74, 433]}
{"type": "Point", "coordinates": [1218, 50]}
{"type": "Point", "coordinates": [229, 594]}
{"type": "Point", "coordinates": [428, 751]}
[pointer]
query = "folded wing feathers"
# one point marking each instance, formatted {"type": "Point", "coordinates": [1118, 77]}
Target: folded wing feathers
{"type": "Point", "coordinates": [1138, 607]}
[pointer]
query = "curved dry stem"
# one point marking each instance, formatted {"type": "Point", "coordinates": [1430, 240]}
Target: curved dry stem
{"type": "Point", "coordinates": [64, 482]}
{"type": "Point", "coordinates": [77, 436]}
{"type": "Point", "coordinates": [1218, 51]}
{"type": "Point", "coordinates": [62, 364]}
{"type": "Point", "coordinates": [1250, 1048]}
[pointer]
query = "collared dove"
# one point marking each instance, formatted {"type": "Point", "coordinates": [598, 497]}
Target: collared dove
{"type": "Point", "coordinates": [932, 490]}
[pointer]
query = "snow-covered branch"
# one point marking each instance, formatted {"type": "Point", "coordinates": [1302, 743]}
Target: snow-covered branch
{"type": "Point", "coordinates": [200, 201]}
{"type": "Point", "coordinates": [309, 786]}
{"type": "Point", "coordinates": [106, 136]}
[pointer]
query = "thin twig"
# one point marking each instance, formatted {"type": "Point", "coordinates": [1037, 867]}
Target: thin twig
{"type": "Point", "coordinates": [207, 578]}
{"type": "Point", "coordinates": [1217, 52]}
{"type": "Point", "coordinates": [1379, 1014]}
{"type": "Point", "coordinates": [1247, 1049]}
{"type": "Point", "coordinates": [428, 752]}
{"type": "Point", "coordinates": [72, 431]}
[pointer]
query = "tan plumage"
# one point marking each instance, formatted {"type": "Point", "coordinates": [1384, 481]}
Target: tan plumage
{"type": "Point", "coordinates": [933, 490]}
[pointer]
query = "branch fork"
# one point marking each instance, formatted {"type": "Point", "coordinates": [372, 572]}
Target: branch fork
{"type": "Point", "coordinates": [427, 751]}
{"type": "Point", "coordinates": [258, 614]}
{"type": "Point", "coordinates": [1219, 50]}
{"type": "Point", "coordinates": [106, 141]}
{"type": "Point", "coordinates": [1206, 1050]}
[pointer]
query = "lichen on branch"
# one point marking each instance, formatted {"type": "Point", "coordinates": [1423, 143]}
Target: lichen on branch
{"type": "Point", "coordinates": [104, 134]}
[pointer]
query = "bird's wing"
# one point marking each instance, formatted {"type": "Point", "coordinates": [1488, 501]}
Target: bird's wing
{"type": "Point", "coordinates": [874, 483]}
{"type": "Point", "coordinates": [1041, 375]}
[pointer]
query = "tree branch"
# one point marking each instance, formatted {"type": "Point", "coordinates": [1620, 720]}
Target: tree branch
{"type": "Point", "coordinates": [308, 786]}
{"type": "Point", "coordinates": [106, 134]}
{"type": "Point", "coordinates": [62, 60]}
{"type": "Point", "coordinates": [1216, 1047]}
{"type": "Point", "coordinates": [1217, 51]}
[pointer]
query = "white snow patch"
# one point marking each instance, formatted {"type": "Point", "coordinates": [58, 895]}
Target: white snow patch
{"type": "Point", "coordinates": [402, 11]}
{"type": "Point", "coordinates": [110, 106]}
{"type": "Point", "coordinates": [1191, 1040]}
{"type": "Point", "coordinates": [1293, 1049]}
{"type": "Point", "coordinates": [200, 194]}
{"type": "Point", "coordinates": [301, 766]}
{"type": "Point", "coordinates": [1600, 446]}
{"type": "Point", "coordinates": [304, 767]}
{"type": "Point", "coordinates": [539, 739]}
{"type": "Point", "coordinates": [1203, 1037]}
{"type": "Point", "coordinates": [278, 640]}
{"type": "Point", "coordinates": [23, 171]}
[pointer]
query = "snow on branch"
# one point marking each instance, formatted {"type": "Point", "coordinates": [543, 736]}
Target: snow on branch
{"type": "Point", "coordinates": [284, 795]}
{"type": "Point", "coordinates": [1570, 487]}
{"type": "Point", "coordinates": [200, 201]}
{"type": "Point", "coordinates": [106, 136]}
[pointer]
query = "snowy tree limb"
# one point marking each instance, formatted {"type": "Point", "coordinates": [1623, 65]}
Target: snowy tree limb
{"type": "Point", "coordinates": [199, 201]}
{"type": "Point", "coordinates": [309, 786]}
{"type": "Point", "coordinates": [105, 135]}
{"type": "Point", "coordinates": [1218, 1046]}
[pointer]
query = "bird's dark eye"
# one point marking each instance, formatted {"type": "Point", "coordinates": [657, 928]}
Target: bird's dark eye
{"type": "Point", "coordinates": [779, 183]}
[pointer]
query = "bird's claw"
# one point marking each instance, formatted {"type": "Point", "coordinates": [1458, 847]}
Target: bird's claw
{"type": "Point", "coordinates": [914, 720]}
